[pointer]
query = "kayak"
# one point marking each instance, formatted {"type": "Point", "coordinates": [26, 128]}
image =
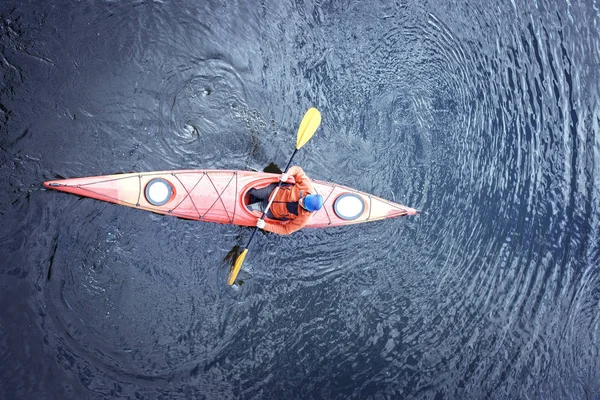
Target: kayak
{"type": "Point", "coordinates": [221, 196]}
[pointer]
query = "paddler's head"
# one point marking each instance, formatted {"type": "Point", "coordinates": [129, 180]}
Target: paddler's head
{"type": "Point", "coordinates": [311, 202]}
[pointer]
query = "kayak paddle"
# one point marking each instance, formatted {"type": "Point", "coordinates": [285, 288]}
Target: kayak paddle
{"type": "Point", "coordinates": [308, 127]}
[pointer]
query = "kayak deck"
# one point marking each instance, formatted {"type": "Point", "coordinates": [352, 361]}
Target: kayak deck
{"type": "Point", "coordinates": [221, 196]}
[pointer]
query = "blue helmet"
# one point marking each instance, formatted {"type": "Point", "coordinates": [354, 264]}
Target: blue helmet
{"type": "Point", "coordinates": [313, 202]}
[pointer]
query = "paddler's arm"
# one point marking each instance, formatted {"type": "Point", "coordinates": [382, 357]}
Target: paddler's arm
{"type": "Point", "coordinates": [301, 180]}
{"type": "Point", "coordinates": [282, 229]}
{"type": "Point", "coordinates": [289, 227]}
{"type": "Point", "coordinates": [297, 173]}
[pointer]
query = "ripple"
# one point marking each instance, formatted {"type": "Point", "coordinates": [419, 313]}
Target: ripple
{"type": "Point", "coordinates": [500, 140]}
{"type": "Point", "coordinates": [204, 116]}
{"type": "Point", "coordinates": [115, 313]}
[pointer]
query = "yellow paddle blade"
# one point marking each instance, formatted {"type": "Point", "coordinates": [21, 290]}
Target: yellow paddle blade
{"type": "Point", "coordinates": [236, 268]}
{"type": "Point", "coordinates": [308, 127]}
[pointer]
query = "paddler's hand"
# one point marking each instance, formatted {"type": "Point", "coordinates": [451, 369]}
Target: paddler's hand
{"type": "Point", "coordinates": [284, 177]}
{"type": "Point", "coordinates": [260, 224]}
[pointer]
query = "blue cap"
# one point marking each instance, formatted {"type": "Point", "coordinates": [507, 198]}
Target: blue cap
{"type": "Point", "coordinates": [313, 202]}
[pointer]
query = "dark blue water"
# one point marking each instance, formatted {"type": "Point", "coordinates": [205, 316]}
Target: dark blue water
{"type": "Point", "coordinates": [484, 114]}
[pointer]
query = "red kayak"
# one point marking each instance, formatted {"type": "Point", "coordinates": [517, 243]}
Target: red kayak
{"type": "Point", "coordinates": [221, 196]}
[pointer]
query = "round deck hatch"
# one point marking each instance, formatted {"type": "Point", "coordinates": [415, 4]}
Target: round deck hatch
{"type": "Point", "coordinates": [349, 206]}
{"type": "Point", "coordinates": [158, 192]}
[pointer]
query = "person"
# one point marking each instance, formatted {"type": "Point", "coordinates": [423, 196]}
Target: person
{"type": "Point", "coordinates": [294, 203]}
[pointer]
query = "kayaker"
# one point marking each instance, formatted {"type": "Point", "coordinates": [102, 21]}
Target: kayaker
{"type": "Point", "coordinates": [294, 203]}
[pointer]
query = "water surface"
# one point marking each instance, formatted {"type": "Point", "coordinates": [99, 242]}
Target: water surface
{"type": "Point", "coordinates": [486, 115]}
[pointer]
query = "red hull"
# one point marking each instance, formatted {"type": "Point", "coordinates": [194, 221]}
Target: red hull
{"type": "Point", "coordinates": [220, 196]}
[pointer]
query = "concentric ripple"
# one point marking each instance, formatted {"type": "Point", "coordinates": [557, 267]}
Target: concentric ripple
{"type": "Point", "coordinates": [199, 113]}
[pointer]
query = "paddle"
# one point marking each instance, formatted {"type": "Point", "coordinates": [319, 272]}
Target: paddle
{"type": "Point", "coordinates": [308, 127]}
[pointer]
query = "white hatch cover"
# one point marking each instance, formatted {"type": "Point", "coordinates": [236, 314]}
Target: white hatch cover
{"type": "Point", "coordinates": [158, 192]}
{"type": "Point", "coordinates": [349, 206]}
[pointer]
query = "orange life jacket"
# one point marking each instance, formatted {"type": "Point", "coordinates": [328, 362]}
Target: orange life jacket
{"type": "Point", "coordinates": [286, 207]}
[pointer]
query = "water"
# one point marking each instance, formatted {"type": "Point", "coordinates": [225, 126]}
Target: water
{"type": "Point", "coordinates": [484, 115]}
